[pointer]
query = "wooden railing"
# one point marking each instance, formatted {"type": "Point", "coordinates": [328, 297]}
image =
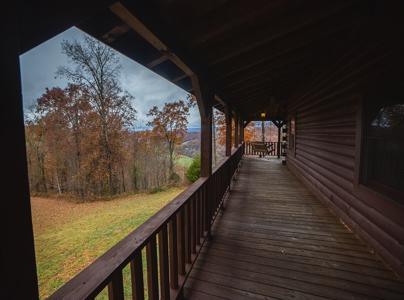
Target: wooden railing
{"type": "Point", "coordinates": [272, 146]}
{"type": "Point", "coordinates": [171, 240]}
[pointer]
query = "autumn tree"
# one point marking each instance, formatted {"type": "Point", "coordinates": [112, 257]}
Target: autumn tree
{"type": "Point", "coordinates": [65, 112]}
{"type": "Point", "coordinates": [35, 142]}
{"type": "Point", "coordinates": [96, 70]}
{"type": "Point", "coordinates": [170, 123]}
{"type": "Point", "coordinates": [249, 130]}
{"type": "Point", "coordinates": [150, 161]}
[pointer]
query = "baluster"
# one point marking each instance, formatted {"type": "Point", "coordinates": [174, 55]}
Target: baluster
{"type": "Point", "coordinates": [172, 234]}
{"type": "Point", "coordinates": [188, 231]}
{"type": "Point", "coordinates": [198, 217]}
{"type": "Point", "coordinates": [181, 242]}
{"type": "Point", "coordinates": [203, 211]}
{"type": "Point", "coordinates": [209, 197]}
{"type": "Point", "coordinates": [152, 273]}
{"type": "Point", "coordinates": [136, 268]}
{"type": "Point", "coordinates": [193, 222]}
{"type": "Point", "coordinates": [115, 287]}
{"type": "Point", "coordinates": [163, 263]}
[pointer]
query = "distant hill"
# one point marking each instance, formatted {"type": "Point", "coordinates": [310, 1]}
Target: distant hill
{"type": "Point", "coordinates": [191, 144]}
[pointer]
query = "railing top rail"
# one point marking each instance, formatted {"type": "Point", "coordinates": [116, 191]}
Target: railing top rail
{"type": "Point", "coordinates": [89, 282]}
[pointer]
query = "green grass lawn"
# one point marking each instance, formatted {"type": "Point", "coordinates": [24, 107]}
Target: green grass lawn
{"type": "Point", "coordinates": [69, 236]}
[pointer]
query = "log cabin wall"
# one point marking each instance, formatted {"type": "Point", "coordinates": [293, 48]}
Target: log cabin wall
{"type": "Point", "coordinates": [326, 151]}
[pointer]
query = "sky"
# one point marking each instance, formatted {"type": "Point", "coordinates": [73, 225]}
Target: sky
{"type": "Point", "coordinates": [39, 66]}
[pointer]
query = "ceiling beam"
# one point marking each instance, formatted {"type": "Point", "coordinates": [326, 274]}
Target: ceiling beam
{"type": "Point", "coordinates": [157, 61]}
{"type": "Point", "coordinates": [308, 15]}
{"type": "Point", "coordinates": [179, 78]}
{"type": "Point", "coordinates": [260, 70]}
{"type": "Point", "coordinates": [237, 14]}
{"type": "Point", "coordinates": [278, 51]}
{"type": "Point", "coordinates": [133, 22]}
{"type": "Point", "coordinates": [218, 99]}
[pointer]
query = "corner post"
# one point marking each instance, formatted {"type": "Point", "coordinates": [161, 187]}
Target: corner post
{"type": "Point", "coordinates": [17, 257]}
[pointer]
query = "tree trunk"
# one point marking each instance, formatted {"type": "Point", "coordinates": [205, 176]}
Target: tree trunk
{"type": "Point", "coordinates": [108, 156]}
{"type": "Point", "coordinates": [79, 182]}
{"type": "Point", "coordinates": [171, 166]}
{"type": "Point", "coordinates": [123, 178]}
{"type": "Point", "coordinates": [58, 183]}
{"type": "Point", "coordinates": [40, 157]}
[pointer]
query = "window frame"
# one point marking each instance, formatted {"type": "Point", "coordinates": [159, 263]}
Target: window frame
{"type": "Point", "coordinates": [361, 189]}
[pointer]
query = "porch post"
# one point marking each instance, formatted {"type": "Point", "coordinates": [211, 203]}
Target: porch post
{"type": "Point", "coordinates": [278, 148]}
{"type": "Point", "coordinates": [279, 125]}
{"type": "Point", "coordinates": [204, 97]}
{"type": "Point", "coordinates": [206, 143]}
{"type": "Point", "coordinates": [17, 260]}
{"type": "Point", "coordinates": [228, 131]}
{"type": "Point", "coordinates": [241, 126]}
{"type": "Point", "coordinates": [236, 130]}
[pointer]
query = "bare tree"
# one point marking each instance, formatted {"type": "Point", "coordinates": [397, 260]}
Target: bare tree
{"type": "Point", "coordinates": [97, 69]}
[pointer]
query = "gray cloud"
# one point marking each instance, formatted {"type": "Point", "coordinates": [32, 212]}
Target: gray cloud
{"type": "Point", "coordinates": [39, 65]}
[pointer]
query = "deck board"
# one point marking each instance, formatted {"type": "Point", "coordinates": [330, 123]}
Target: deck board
{"type": "Point", "coordinates": [275, 240]}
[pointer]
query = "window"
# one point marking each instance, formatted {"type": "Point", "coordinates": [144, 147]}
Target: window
{"type": "Point", "coordinates": [382, 166]}
{"type": "Point", "coordinates": [292, 135]}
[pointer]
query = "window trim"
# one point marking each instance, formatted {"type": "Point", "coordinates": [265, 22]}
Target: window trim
{"type": "Point", "coordinates": [360, 189]}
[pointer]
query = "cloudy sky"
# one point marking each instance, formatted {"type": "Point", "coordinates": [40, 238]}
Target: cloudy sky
{"type": "Point", "coordinates": [39, 65]}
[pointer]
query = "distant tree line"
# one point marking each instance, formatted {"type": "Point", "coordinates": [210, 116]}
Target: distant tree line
{"type": "Point", "coordinates": [80, 139]}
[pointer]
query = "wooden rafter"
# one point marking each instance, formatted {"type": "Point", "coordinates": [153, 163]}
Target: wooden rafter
{"type": "Point", "coordinates": [262, 37]}
{"type": "Point", "coordinates": [271, 53]}
{"type": "Point", "coordinates": [126, 16]}
{"type": "Point", "coordinates": [157, 61]}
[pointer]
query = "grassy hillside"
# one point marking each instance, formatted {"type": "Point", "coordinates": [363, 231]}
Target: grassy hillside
{"type": "Point", "coordinates": [69, 236]}
{"type": "Point", "coordinates": [183, 161]}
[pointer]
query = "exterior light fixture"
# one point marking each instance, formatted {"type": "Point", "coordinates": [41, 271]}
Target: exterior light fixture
{"type": "Point", "coordinates": [263, 115]}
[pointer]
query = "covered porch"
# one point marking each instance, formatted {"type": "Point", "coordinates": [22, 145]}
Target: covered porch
{"type": "Point", "coordinates": [249, 228]}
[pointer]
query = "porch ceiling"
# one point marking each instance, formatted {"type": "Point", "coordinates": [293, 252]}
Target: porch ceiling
{"type": "Point", "coordinates": [252, 54]}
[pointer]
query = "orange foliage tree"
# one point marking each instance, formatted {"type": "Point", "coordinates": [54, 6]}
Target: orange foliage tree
{"type": "Point", "coordinates": [170, 123]}
{"type": "Point", "coordinates": [249, 130]}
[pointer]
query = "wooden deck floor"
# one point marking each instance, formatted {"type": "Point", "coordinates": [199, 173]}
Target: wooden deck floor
{"type": "Point", "coordinates": [277, 241]}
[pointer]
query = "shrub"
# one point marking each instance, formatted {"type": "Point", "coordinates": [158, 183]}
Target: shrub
{"type": "Point", "coordinates": [194, 169]}
{"type": "Point", "coordinates": [174, 178]}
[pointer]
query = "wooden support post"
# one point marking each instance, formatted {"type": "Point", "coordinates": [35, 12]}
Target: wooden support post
{"type": "Point", "coordinates": [278, 148]}
{"type": "Point", "coordinates": [279, 125]}
{"type": "Point", "coordinates": [241, 127]}
{"type": "Point", "coordinates": [228, 131]}
{"type": "Point", "coordinates": [17, 260]}
{"type": "Point", "coordinates": [204, 98]}
{"type": "Point", "coordinates": [236, 130]}
{"type": "Point", "coordinates": [206, 144]}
